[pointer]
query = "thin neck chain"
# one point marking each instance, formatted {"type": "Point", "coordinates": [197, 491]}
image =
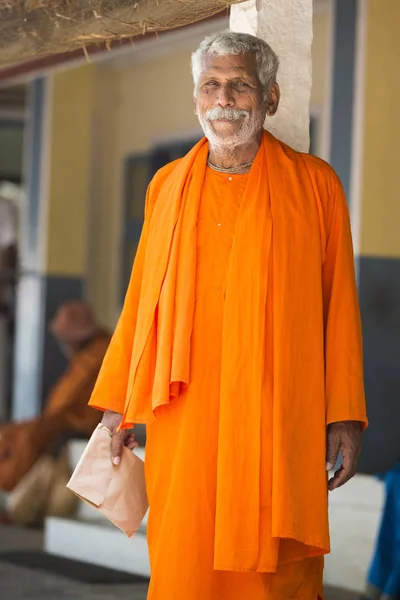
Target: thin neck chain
{"type": "Point", "coordinates": [229, 169]}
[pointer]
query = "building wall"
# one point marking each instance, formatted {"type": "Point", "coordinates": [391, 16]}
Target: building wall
{"type": "Point", "coordinates": [380, 205]}
{"type": "Point", "coordinates": [69, 181]}
{"type": "Point", "coordinates": [105, 210]}
{"type": "Point", "coordinates": [320, 67]}
{"type": "Point", "coordinates": [356, 509]}
{"type": "Point", "coordinates": [319, 58]}
{"type": "Point", "coordinates": [379, 261]}
{"type": "Point", "coordinates": [64, 226]}
{"type": "Point", "coordinates": [134, 107]}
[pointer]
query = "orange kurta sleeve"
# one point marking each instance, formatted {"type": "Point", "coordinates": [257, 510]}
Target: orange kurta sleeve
{"type": "Point", "coordinates": [345, 400]}
{"type": "Point", "coordinates": [111, 386]}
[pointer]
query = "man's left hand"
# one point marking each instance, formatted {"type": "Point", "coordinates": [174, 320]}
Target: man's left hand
{"type": "Point", "coordinates": [344, 437]}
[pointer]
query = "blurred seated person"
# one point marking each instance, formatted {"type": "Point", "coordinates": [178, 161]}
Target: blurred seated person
{"type": "Point", "coordinates": [66, 413]}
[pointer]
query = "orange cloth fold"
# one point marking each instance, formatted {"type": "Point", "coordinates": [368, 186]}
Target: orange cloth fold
{"type": "Point", "coordinates": [291, 345]}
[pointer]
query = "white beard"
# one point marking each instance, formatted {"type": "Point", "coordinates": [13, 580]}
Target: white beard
{"type": "Point", "coordinates": [251, 125]}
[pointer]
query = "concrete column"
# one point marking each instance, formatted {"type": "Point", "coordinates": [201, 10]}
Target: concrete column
{"type": "Point", "coordinates": [287, 26]}
{"type": "Point", "coordinates": [28, 351]}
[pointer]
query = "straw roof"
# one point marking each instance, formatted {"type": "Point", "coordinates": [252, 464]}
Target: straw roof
{"type": "Point", "coordinates": [35, 28]}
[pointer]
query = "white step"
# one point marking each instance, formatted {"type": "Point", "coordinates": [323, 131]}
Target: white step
{"type": "Point", "coordinates": [97, 543]}
{"type": "Point", "coordinates": [355, 513]}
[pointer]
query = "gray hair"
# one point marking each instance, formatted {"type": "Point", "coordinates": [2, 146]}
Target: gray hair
{"type": "Point", "coordinates": [228, 42]}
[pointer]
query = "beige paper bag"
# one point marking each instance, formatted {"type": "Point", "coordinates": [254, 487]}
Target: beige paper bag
{"type": "Point", "coordinates": [118, 492]}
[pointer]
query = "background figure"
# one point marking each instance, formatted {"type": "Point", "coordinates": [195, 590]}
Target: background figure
{"type": "Point", "coordinates": [384, 575]}
{"type": "Point", "coordinates": [28, 449]}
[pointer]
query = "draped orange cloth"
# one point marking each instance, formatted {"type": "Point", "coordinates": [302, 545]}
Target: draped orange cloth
{"type": "Point", "coordinates": [238, 343]}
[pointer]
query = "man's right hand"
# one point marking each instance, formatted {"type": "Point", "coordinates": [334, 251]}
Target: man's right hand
{"type": "Point", "coordinates": [119, 439]}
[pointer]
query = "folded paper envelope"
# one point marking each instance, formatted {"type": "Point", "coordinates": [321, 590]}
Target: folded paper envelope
{"type": "Point", "coordinates": [118, 492]}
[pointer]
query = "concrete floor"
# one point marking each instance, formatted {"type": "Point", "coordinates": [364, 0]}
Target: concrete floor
{"type": "Point", "coordinates": [18, 583]}
{"type": "Point", "coordinates": [25, 584]}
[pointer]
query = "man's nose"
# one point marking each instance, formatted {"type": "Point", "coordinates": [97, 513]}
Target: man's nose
{"type": "Point", "coordinates": [225, 96]}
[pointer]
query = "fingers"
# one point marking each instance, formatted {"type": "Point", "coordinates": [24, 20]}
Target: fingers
{"type": "Point", "coordinates": [117, 443]}
{"type": "Point", "coordinates": [131, 445]}
{"type": "Point", "coordinates": [111, 420]}
{"type": "Point", "coordinates": [345, 473]}
{"type": "Point", "coordinates": [350, 453]}
{"type": "Point", "coordinates": [337, 480]}
{"type": "Point", "coordinates": [130, 442]}
{"type": "Point", "coordinates": [332, 451]}
{"type": "Point", "coordinates": [349, 436]}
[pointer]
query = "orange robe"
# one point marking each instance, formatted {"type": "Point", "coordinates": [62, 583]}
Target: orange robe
{"type": "Point", "coordinates": [228, 518]}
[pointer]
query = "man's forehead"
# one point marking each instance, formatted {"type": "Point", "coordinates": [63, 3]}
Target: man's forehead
{"type": "Point", "coordinates": [240, 63]}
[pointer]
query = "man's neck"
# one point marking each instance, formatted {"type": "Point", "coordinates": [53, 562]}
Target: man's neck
{"type": "Point", "coordinates": [234, 157]}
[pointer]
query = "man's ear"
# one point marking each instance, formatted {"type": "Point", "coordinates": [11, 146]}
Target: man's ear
{"type": "Point", "coordinates": [274, 96]}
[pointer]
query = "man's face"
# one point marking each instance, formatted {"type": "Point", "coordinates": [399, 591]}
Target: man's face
{"type": "Point", "coordinates": [230, 101]}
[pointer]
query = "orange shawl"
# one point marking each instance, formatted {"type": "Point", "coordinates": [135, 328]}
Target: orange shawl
{"type": "Point", "coordinates": [291, 351]}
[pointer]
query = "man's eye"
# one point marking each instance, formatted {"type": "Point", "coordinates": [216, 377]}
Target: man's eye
{"type": "Point", "coordinates": [211, 83]}
{"type": "Point", "coordinates": [241, 84]}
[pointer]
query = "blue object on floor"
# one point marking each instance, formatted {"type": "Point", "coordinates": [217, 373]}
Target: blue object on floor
{"type": "Point", "coordinates": [384, 574]}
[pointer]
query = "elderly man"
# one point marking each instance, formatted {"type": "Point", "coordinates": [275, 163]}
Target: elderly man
{"type": "Point", "coordinates": [240, 346]}
{"type": "Point", "coordinates": [66, 412]}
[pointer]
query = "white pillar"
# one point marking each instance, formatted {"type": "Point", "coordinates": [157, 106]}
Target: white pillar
{"type": "Point", "coordinates": [287, 27]}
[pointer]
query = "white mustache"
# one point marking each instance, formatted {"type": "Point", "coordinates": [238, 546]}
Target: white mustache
{"type": "Point", "coordinates": [228, 114]}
